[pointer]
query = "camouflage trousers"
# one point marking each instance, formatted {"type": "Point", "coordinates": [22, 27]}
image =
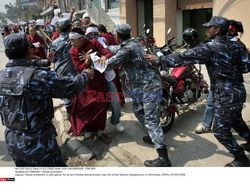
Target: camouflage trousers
{"type": "Point", "coordinates": [227, 116]}
{"type": "Point", "coordinates": [148, 114]}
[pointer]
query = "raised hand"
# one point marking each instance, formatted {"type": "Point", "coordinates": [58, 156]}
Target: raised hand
{"type": "Point", "coordinates": [85, 56]}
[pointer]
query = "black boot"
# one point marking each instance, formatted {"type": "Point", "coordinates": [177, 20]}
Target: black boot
{"type": "Point", "coordinates": [161, 161]}
{"type": "Point", "coordinates": [240, 160]}
{"type": "Point", "coordinates": [147, 140]}
{"type": "Point", "coordinates": [246, 146]}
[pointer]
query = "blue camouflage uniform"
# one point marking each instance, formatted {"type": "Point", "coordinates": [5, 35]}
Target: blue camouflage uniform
{"type": "Point", "coordinates": [146, 86]}
{"type": "Point", "coordinates": [226, 61]}
{"type": "Point", "coordinates": [26, 109]}
{"type": "Point", "coordinates": [63, 62]}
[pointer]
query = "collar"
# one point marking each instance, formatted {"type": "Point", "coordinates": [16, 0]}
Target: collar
{"type": "Point", "coordinates": [220, 38]}
{"type": "Point", "coordinates": [18, 62]}
{"type": "Point", "coordinates": [126, 42]}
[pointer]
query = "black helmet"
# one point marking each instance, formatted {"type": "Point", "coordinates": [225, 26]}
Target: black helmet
{"type": "Point", "coordinates": [190, 36]}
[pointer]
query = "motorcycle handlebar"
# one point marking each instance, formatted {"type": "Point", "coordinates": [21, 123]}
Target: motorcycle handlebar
{"type": "Point", "coordinates": [168, 43]}
{"type": "Point", "coordinates": [171, 39]}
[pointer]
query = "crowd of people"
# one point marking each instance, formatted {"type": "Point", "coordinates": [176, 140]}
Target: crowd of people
{"type": "Point", "coordinates": [49, 60]}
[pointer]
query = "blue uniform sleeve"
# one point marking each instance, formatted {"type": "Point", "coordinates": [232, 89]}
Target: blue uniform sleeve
{"type": "Point", "coordinates": [200, 54]}
{"type": "Point", "coordinates": [45, 81]}
{"type": "Point", "coordinates": [245, 61]}
{"type": "Point", "coordinates": [54, 49]}
{"type": "Point", "coordinates": [120, 58]}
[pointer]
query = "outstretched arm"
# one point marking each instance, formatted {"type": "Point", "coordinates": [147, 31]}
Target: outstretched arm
{"type": "Point", "coordinates": [59, 86]}
{"type": "Point", "coordinates": [120, 58]}
{"type": "Point", "coordinates": [200, 54]}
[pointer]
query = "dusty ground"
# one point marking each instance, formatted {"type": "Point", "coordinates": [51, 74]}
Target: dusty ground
{"type": "Point", "coordinates": [185, 147]}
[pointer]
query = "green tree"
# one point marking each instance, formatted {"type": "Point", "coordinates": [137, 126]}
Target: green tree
{"type": "Point", "coordinates": [13, 12]}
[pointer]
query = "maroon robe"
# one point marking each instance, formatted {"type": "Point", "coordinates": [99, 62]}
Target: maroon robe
{"type": "Point", "coordinates": [110, 39]}
{"type": "Point", "coordinates": [55, 35]}
{"type": "Point", "coordinates": [39, 51]}
{"type": "Point", "coordinates": [89, 110]}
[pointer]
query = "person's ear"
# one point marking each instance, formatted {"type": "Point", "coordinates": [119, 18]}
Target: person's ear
{"type": "Point", "coordinates": [217, 30]}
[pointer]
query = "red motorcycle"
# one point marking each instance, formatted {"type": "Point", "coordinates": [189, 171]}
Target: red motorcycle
{"type": "Point", "coordinates": [182, 87]}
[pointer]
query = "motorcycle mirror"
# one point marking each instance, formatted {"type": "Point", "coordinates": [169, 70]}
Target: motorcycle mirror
{"type": "Point", "coordinates": [169, 30]}
{"type": "Point", "coordinates": [147, 31]}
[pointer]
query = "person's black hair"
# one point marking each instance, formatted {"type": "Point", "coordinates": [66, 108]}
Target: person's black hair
{"type": "Point", "coordinates": [65, 29]}
{"type": "Point", "coordinates": [78, 30]}
{"type": "Point", "coordinates": [123, 37]}
{"type": "Point", "coordinates": [238, 25]}
{"type": "Point", "coordinates": [92, 25]}
{"type": "Point", "coordinates": [76, 20]}
{"type": "Point", "coordinates": [6, 29]}
{"type": "Point", "coordinates": [16, 53]}
{"type": "Point", "coordinates": [102, 28]}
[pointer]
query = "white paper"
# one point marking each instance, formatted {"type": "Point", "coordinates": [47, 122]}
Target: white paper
{"type": "Point", "coordinates": [37, 45]}
{"type": "Point", "coordinates": [97, 66]}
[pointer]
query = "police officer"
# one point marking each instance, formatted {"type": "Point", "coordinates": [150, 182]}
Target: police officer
{"type": "Point", "coordinates": [190, 37]}
{"type": "Point", "coordinates": [26, 106]}
{"type": "Point", "coordinates": [227, 60]}
{"type": "Point", "coordinates": [146, 90]}
{"type": "Point", "coordinates": [62, 59]}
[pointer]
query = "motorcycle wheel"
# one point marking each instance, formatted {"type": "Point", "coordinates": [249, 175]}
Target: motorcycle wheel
{"type": "Point", "coordinates": [166, 118]}
{"type": "Point", "coordinates": [167, 122]}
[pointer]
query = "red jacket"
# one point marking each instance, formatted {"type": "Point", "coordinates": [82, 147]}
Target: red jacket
{"type": "Point", "coordinates": [39, 51]}
{"type": "Point", "coordinates": [110, 39]}
{"type": "Point", "coordinates": [90, 44]}
{"type": "Point", "coordinates": [55, 35]}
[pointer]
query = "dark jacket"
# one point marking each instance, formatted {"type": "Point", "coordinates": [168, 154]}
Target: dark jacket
{"type": "Point", "coordinates": [26, 107]}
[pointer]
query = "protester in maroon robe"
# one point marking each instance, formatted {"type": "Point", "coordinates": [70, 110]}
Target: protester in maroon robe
{"type": "Point", "coordinates": [38, 42]}
{"type": "Point", "coordinates": [55, 35]}
{"type": "Point", "coordinates": [111, 40]}
{"type": "Point", "coordinates": [89, 109]}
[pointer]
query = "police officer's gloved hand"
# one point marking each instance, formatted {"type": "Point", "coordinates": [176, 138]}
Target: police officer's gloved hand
{"type": "Point", "coordinates": [153, 59]}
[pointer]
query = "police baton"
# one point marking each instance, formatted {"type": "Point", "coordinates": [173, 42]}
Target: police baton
{"type": "Point", "coordinates": [45, 34]}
